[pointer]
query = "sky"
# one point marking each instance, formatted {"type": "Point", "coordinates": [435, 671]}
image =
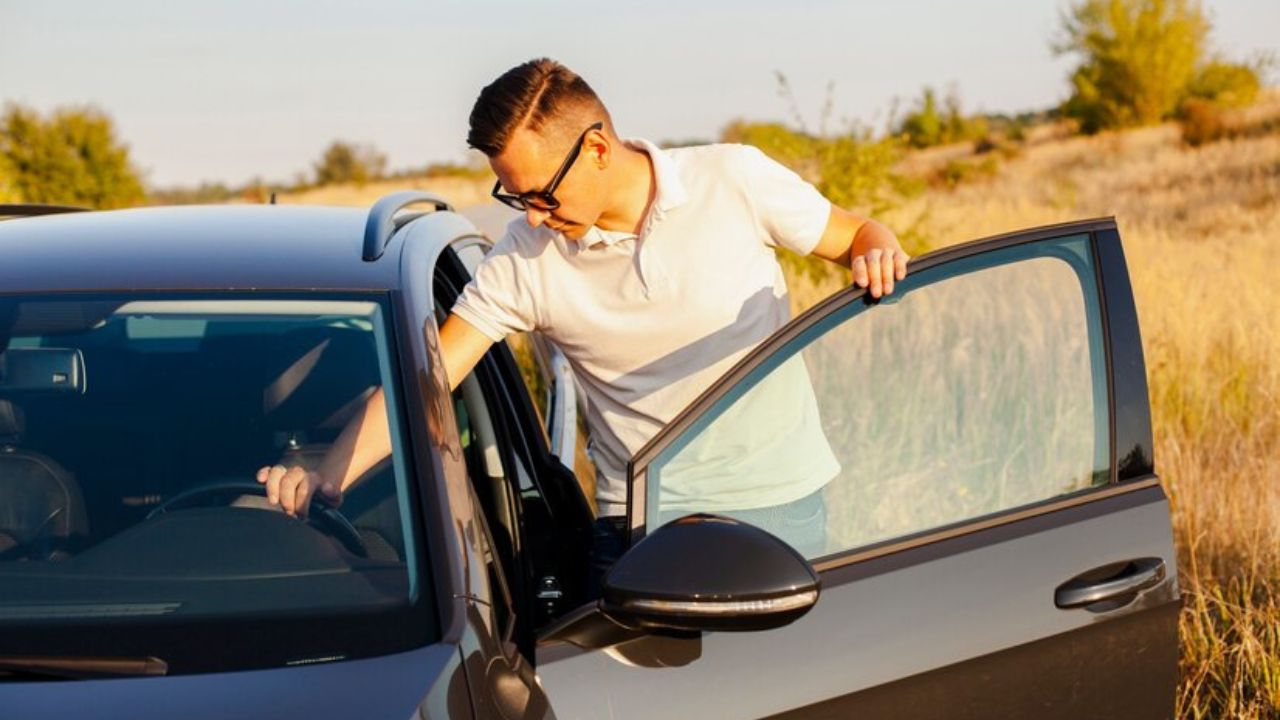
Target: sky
{"type": "Point", "coordinates": [229, 90]}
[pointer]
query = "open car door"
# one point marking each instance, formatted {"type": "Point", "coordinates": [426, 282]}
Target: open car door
{"type": "Point", "coordinates": [994, 541]}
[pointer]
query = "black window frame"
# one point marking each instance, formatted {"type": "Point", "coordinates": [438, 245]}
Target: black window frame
{"type": "Point", "coordinates": [553, 514]}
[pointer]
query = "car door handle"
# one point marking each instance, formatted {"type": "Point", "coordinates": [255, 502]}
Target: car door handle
{"type": "Point", "coordinates": [1109, 582]}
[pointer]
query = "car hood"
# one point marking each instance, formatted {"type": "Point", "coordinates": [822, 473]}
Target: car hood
{"type": "Point", "coordinates": [385, 688]}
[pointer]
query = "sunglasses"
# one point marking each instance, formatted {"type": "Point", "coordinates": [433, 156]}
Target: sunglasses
{"type": "Point", "coordinates": [544, 199]}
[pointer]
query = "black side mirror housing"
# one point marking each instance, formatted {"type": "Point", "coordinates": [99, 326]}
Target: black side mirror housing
{"type": "Point", "coordinates": [699, 573]}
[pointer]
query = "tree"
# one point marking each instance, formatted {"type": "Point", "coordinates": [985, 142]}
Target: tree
{"type": "Point", "coordinates": [71, 157]}
{"type": "Point", "coordinates": [1137, 59]}
{"type": "Point", "coordinates": [347, 162]}
{"type": "Point", "coordinates": [8, 191]}
{"type": "Point", "coordinates": [1142, 60]}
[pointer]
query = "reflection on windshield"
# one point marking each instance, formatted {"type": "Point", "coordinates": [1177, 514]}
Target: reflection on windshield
{"type": "Point", "coordinates": [131, 429]}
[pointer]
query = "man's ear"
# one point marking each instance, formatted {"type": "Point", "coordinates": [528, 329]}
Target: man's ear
{"type": "Point", "coordinates": [598, 149]}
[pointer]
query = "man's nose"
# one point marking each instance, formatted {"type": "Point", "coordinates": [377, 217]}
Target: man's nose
{"type": "Point", "coordinates": [535, 216]}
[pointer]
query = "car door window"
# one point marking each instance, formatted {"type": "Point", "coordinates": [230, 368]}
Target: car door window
{"type": "Point", "coordinates": [979, 386]}
{"type": "Point", "coordinates": [537, 358]}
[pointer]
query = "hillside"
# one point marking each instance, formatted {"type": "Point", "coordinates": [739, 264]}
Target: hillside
{"type": "Point", "coordinates": [462, 192]}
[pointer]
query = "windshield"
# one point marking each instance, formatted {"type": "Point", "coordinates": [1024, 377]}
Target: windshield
{"type": "Point", "coordinates": [131, 523]}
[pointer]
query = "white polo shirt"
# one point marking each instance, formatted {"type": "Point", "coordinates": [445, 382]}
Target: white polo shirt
{"type": "Point", "coordinates": [649, 321]}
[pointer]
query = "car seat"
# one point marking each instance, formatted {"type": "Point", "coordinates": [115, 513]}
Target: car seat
{"type": "Point", "coordinates": [42, 511]}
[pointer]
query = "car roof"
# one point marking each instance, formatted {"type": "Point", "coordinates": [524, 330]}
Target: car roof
{"type": "Point", "coordinates": [194, 247]}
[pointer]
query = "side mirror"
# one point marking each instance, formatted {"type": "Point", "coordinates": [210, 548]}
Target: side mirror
{"type": "Point", "coordinates": [699, 573]}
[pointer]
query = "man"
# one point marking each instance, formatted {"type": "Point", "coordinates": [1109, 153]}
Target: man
{"type": "Point", "coordinates": [654, 271]}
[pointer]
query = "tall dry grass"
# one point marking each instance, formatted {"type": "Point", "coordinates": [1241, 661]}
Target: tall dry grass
{"type": "Point", "coordinates": [1201, 230]}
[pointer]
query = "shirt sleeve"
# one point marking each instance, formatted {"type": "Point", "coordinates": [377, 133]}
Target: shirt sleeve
{"type": "Point", "coordinates": [791, 210]}
{"type": "Point", "coordinates": [499, 299]}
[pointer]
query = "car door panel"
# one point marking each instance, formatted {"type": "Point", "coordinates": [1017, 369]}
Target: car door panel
{"type": "Point", "coordinates": [1004, 684]}
{"type": "Point", "coordinates": [962, 601]}
{"type": "Point", "coordinates": [888, 617]}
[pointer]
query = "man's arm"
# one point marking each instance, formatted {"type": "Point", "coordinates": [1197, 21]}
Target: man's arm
{"type": "Point", "coordinates": [366, 439]}
{"type": "Point", "coordinates": [866, 247]}
{"type": "Point", "coordinates": [462, 346]}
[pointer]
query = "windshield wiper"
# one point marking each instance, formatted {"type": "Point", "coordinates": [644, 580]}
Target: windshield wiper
{"type": "Point", "coordinates": [80, 668]}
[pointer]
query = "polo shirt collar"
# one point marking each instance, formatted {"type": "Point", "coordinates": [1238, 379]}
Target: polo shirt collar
{"type": "Point", "coordinates": [670, 193]}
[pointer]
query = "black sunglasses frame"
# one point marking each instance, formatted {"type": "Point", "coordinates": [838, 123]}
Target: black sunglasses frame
{"type": "Point", "coordinates": [544, 199]}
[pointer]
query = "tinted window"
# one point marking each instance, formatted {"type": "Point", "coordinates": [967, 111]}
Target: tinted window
{"type": "Point", "coordinates": [979, 386]}
{"type": "Point", "coordinates": [131, 429]}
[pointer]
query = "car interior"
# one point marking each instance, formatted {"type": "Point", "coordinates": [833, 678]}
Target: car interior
{"type": "Point", "coordinates": [170, 407]}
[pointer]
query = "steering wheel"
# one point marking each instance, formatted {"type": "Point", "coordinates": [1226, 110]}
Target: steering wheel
{"type": "Point", "coordinates": [337, 523]}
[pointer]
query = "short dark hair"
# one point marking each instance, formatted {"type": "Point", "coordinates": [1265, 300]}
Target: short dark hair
{"type": "Point", "coordinates": [534, 95]}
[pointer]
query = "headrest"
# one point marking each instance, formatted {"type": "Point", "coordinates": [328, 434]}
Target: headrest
{"type": "Point", "coordinates": [12, 420]}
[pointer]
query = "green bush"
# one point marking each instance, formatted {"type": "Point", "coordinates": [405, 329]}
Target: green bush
{"type": "Point", "coordinates": [923, 127]}
{"type": "Point", "coordinates": [344, 162]}
{"type": "Point", "coordinates": [928, 124]}
{"type": "Point", "coordinates": [71, 157]}
{"type": "Point", "coordinates": [1016, 131]}
{"type": "Point", "coordinates": [1226, 84]}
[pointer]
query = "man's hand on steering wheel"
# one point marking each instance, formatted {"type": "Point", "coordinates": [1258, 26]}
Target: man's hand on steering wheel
{"type": "Point", "coordinates": [293, 488]}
